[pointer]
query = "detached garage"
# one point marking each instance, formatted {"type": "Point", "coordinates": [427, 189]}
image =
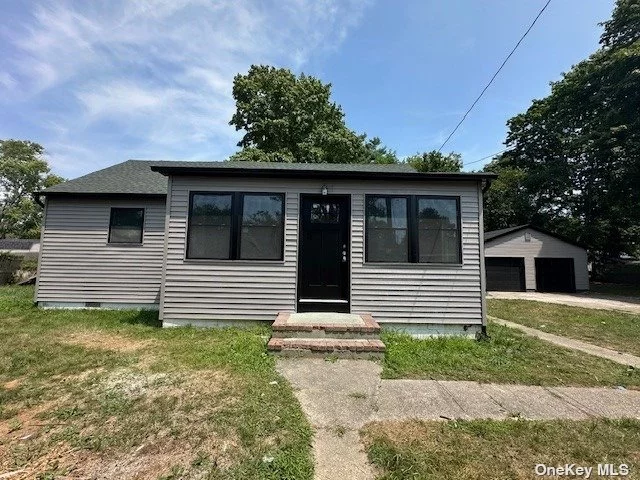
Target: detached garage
{"type": "Point", "coordinates": [529, 258]}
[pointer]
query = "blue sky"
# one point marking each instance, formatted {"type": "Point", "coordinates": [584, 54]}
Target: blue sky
{"type": "Point", "coordinates": [100, 82]}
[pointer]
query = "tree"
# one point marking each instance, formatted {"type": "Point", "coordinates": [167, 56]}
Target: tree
{"type": "Point", "coordinates": [289, 118]}
{"type": "Point", "coordinates": [507, 202]}
{"type": "Point", "coordinates": [23, 171]}
{"type": "Point", "coordinates": [578, 148]}
{"type": "Point", "coordinates": [435, 161]}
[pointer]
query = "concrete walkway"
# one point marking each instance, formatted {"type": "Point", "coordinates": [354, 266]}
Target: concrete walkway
{"type": "Point", "coordinates": [585, 300]}
{"type": "Point", "coordinates": [618, 357]}
{"type": "Point", "coordinates": [341, 397]}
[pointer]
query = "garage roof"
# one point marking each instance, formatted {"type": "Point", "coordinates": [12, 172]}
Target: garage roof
{"type": "Point", "coordinates": [494, 234]}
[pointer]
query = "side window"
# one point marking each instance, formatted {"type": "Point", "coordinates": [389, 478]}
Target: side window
{"type": "Point", "coordinates": [126, 225]}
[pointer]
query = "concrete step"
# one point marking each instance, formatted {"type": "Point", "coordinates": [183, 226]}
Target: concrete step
{"type": "Point", "coordinates": [326, 325]}
{"type": "Point", "coordinates": [343, 348]}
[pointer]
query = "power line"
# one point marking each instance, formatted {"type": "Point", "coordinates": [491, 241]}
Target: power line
{"type": "Point", "coordinates": [464, 117]}
{"type": "Point", "coordinates": [488, 156]}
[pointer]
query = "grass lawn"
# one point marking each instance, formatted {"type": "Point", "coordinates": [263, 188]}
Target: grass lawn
{"type": "Point", "coordinates": [485, 449]}
{"type": "Point", "coordinates": [508, 357]}
{"type": "Point", "coordinates": [615, 289]}
{"type": "Point", "coordinates": [607, 328]}
{"type": "Point", "coordinates": [108, 394]}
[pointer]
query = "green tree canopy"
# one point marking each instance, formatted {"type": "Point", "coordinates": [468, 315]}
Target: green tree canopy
{"type": "Point", "coordinates": [577, 151]}
{"type": "Point", "coordinates": [435, 161]}
{"type": "Point", "coordinates": [289, 118]}
{"type": "Point", "coordinates": [23, 170]}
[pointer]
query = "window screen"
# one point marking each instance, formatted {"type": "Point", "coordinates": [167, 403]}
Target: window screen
{"type": "Point", "coordinates": [126, 225]}
{"type": "Point", "coordinates": [210, 226]}
{"type": "Point", "coordinates": [387, 229]}
{"type": "Point", "coordinates": [262, 227]}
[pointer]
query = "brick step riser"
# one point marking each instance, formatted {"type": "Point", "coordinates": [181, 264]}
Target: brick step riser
{"type": "Point", "coordinates": [347, 354]}
{"type": "Point", "coordinates": [324, 334]}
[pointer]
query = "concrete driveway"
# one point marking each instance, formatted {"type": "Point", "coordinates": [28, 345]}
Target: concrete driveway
{"type": "Point", "coordinates": [585, 299]}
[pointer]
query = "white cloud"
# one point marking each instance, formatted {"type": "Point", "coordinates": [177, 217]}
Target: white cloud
{"type": "Point", "coordinates": [7, 81]}
{"type": "Point", "coordinates": [159, 73]}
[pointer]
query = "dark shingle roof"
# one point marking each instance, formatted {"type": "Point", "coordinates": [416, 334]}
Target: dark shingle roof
{"type": "Point", "coordinates": [130, 177]}
{"type": "Point", "coordinates": [303, 167]}
{"type": "Point", "coordinates": [17, 243]}
{"type": "Point", "coordinates": [147, 177]}
{"type": "Point", "coordinates": [503, 231]}
{"type": "Point", "coordinates": [492, 235]}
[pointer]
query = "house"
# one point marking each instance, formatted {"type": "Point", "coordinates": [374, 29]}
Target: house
{"type": "Point", "coordinates": [23, 247]}
{"type": "Point", "coordinates": [530, 258]}
{"type": "Point", "coordinates": [227, 243]}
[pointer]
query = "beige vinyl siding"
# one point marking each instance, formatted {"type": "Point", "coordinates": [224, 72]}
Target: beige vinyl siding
{"type": "Point", "coordinates": [540, 246]}
{"type": "Point", "coordinates": [78, 265]}
{"type": "Point", "coordinates": [200, 290]}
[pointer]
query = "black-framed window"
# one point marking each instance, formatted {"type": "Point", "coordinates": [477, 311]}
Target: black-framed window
{"type": "Point", "coordinates": [236, 226]}
{"type": "Point", "coordinates": [262, 227]}
{"type": "Point", "coordinates": [387, 229]}
{"type": "Point", "coordinates": [438, 229]}
{"type": "Point", "coordinates": [210, 225]}
{"type": "Point", "coordinates": [412, 229]}
{"type": "Point", "coordinates": [126, 225]}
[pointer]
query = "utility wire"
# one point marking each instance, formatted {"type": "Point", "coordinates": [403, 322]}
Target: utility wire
{"type": "Point", "coordinates": [464, 117]}
{"type": "Point", "coordinates": [488, 156]}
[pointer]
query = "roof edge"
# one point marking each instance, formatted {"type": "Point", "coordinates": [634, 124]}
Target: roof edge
{"type": "Point", "coordinates": [276, 173]}
{"type": "Point", "coordinates": [538, 229]}
{"type": "Point", "coordinates": [44, 193]}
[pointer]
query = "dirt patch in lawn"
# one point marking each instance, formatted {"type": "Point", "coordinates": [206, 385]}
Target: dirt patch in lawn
{"type": "Point", "coordinates": [129, 424]}
{"type": "Point", "coordinates": [106, 341]}
{"type": "Point", "coordinates": [13, 384]}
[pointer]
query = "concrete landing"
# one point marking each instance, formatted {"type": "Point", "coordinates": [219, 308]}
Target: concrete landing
{"type": "Point", "coordinates": [325, 318]}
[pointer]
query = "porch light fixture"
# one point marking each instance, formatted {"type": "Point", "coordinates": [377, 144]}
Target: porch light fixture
{"type": "Point", "coordinates": [527, 236]}
{"type": "Point", "coordinates": [324, 190]}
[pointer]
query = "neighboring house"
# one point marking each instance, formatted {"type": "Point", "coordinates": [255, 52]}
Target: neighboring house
{"type": "Point", "coordinates": [529, 258]}
{"type": "Point", "coordinates": [224, 243]}
{"type": "Point", "coordinates": [23, 247]}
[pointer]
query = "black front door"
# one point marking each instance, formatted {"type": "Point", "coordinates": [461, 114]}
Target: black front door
{"type": "Point", "coordinates": [323, 272]}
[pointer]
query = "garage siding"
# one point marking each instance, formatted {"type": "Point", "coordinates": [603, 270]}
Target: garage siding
{"type": "Point", "coordinates": [78, 265]}
{"type": "Point", "coordinates": [541, 245]}
{"type": "Point", "coordinates": [196, 291]}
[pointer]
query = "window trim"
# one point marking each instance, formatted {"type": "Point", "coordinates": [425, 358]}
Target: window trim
{"type": "Point", "coordinates": [412, 230]}
{"type": "Point", "coordinates": [237, 206]}
{"type": "Point", "coordinates": [111, 212]}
